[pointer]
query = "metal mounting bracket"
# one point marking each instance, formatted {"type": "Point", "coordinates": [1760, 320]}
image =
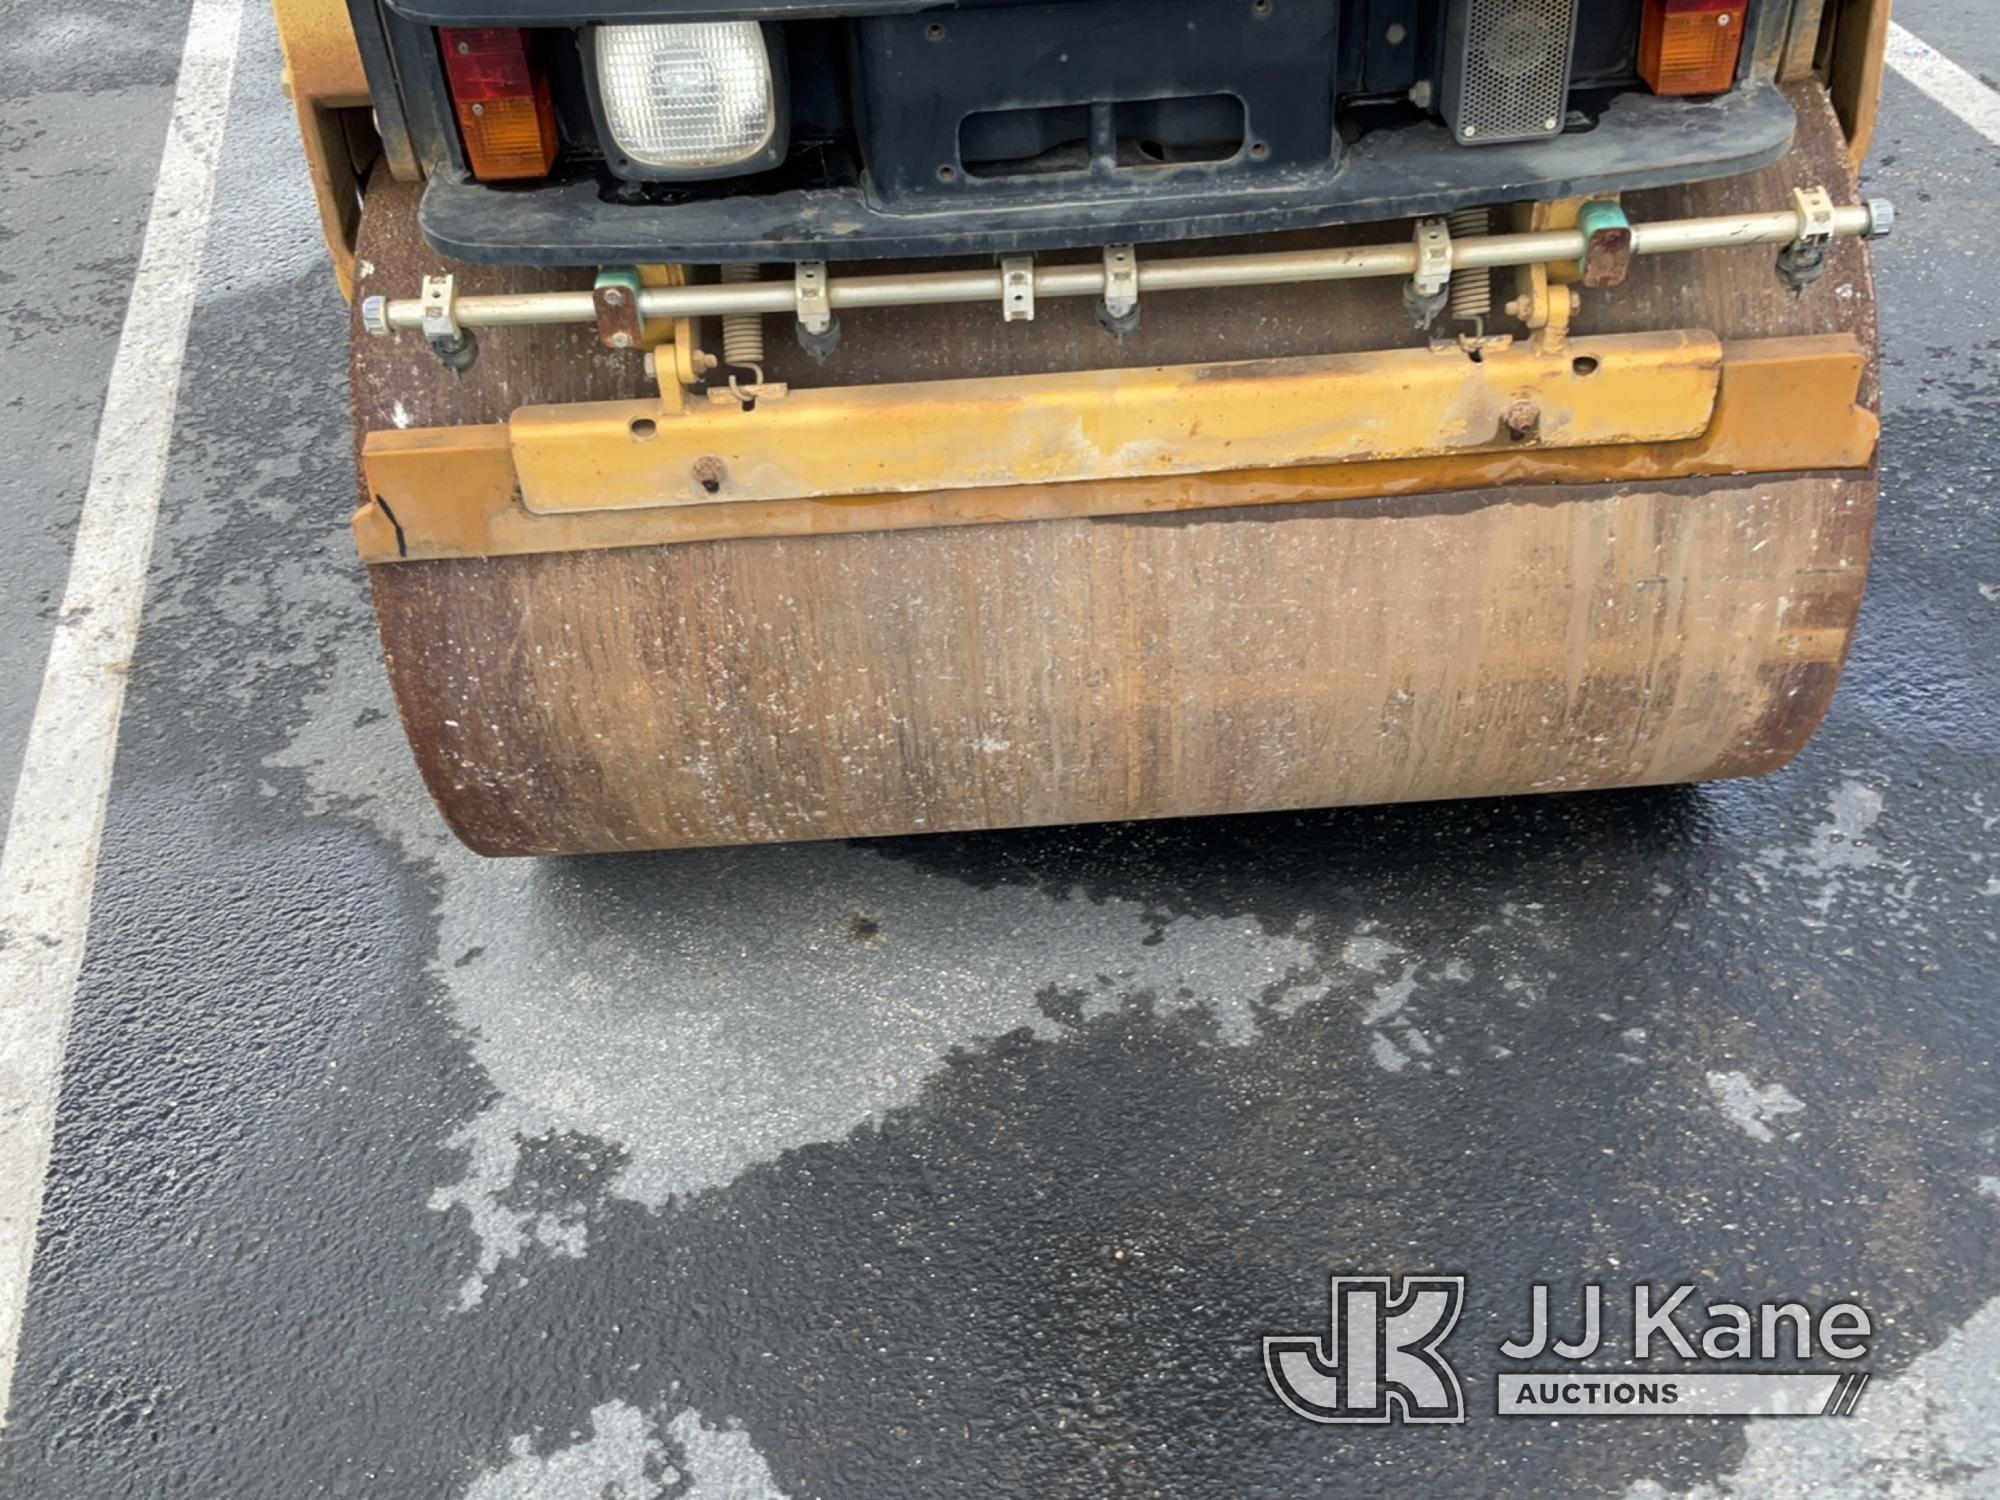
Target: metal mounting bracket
{"type": "Point", "coordinates": [454, 346]}
{"type": "Point", "coordinates": [1433, 257]}
{"type": "Point", "coordinates": [1121, 280]}
{"type": "Point", "coordinates": [809, 290]}
{"type": "Point", "coordinates": [616, 298]}
{"type": "Point", "coordinates": [1816, 215]}
{"type": "Point", "coordinates": [439, 295]}
{"type": "Point", "coordinates": [1425, 292]}
{"type": "Point", "coordinates": [1803, 261]}
{"type": "Point", "coordinates": [1118, 308]}
{"type": "Point", "coordinates": [1607, 246]}
{"type": "Point", "coordinates": [1017, 288]}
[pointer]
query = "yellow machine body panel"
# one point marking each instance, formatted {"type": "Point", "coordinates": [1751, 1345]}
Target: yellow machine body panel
{"type": "Point", "coordinates": [1753, 407]}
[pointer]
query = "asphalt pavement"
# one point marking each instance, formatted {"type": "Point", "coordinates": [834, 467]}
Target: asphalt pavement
{"type": "Point", "coordinates": [967, 1165]}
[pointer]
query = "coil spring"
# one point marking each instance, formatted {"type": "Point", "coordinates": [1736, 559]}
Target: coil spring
{"type": "Point", "coordinates": [743, 333]}
{"type": "Point", "coordinates": [1471, 288]}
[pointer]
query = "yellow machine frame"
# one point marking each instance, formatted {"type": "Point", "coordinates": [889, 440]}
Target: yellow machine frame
{"type": "Point", "coordinates": [1762, 406]}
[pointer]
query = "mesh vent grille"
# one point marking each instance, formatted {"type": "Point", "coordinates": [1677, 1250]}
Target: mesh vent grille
{"type": "Point", "coordinates": [1513, 71]}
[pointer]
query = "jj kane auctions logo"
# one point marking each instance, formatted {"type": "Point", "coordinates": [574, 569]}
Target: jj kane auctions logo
{"type": "Point", "coordinates": [1381, 1358]}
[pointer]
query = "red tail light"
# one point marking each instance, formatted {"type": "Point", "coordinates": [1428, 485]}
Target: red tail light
{"type": "Point", "coordinates": [1691, 46]}
{"type": "Point", "coordinates": [505, 111]}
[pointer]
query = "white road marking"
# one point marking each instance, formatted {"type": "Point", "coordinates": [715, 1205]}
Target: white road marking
{"type": "Point", "coordinates": [1945, 81]}
{"type": "Point", "coordinates": [50, 860]}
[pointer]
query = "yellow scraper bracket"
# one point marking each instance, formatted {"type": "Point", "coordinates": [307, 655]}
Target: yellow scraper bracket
{"type": "Point", "coordinates": [1114, 424]}
{"type": "Point", "coordinates": [1783, 405]}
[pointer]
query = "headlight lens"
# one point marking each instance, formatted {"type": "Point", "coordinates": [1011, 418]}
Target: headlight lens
{"type": "Point", "coordinates": [687, 97]}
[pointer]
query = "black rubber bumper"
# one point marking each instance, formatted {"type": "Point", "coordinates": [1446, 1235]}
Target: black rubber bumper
{"type": "Point", "coordinates": [1639, 142]}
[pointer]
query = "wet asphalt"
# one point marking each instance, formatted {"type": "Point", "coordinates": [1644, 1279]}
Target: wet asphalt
{"type": "Point", "coordinates": [956, 1165]}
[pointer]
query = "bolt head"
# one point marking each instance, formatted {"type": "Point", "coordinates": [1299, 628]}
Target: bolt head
{"type": "Point", "coordinates": [1524, 420]}
{"type": "Point", "coordinates": [621, 340]}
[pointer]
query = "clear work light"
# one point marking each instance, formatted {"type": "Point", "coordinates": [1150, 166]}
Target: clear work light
{"type": "Point", "coordinates": [689, 98]}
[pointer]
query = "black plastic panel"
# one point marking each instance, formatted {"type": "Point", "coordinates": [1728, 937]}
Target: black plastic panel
{"type": "Point", "coordinates": [569, 13]}
{"type": "Point", "coordinates": [1389, 174]}
{"type": "Point", "coordinates": [371, 40]}
{"type": "Point", "coordinates": [1395, 44]}
{"type": "Point", "coordinates": [1085, 69]}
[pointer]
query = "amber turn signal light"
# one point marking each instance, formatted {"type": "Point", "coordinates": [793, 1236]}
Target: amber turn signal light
{"type": "Point", "coordinates": [1691, 46]}
{"type": "Point", "coordinates": [505, 112]}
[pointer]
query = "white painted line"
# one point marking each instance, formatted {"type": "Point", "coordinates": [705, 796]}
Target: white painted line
{"type": "Point", "coordinates": [1945, 81]}
{"type": "Point", "coordinates": [50, 860]}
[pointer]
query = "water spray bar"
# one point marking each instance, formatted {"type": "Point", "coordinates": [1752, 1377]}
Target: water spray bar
{"type": "Point", "coordinates": [1810, 224]}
